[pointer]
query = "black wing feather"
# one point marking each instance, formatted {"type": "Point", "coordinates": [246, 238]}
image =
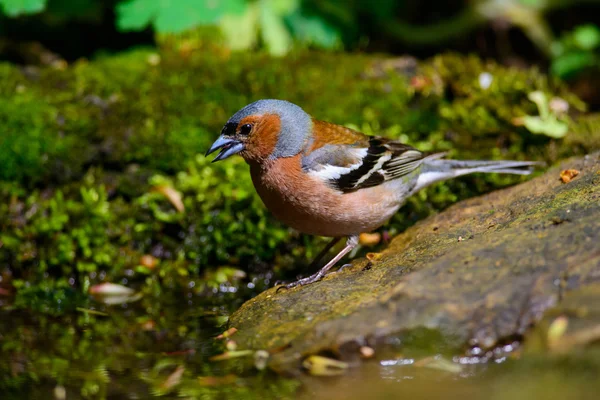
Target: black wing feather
{"type": "Point", "coordinates": [403, 159]}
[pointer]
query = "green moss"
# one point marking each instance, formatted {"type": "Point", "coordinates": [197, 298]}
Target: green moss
{"type": "Point", "coordinates": [31, 143]}
{"type": "Point", "coordinates": [85, 150]}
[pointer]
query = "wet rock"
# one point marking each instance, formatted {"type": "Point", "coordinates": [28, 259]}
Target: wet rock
{"type": "Point", "coordinates": [483, 271]}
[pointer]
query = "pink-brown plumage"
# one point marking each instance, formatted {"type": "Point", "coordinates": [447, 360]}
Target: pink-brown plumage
{"type": "Point", "coordinates": [309, 205]}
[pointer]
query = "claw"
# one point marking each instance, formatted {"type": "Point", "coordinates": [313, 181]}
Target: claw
{"type": "Point", "coordinates": [305, 281]}
{"type": "Point", "coordinates": [350, 244]}
{"type": "Point", "coordinates": [301, 282]}
{"type": "Point", "coordinates": [280, 287]}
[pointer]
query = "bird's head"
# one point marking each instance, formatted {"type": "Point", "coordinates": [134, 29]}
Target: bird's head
{"type": "Point", "coordinates": [264, 130]}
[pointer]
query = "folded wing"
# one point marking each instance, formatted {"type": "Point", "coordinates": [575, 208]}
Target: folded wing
{"type": "Point", "coordinates": [365, 163]}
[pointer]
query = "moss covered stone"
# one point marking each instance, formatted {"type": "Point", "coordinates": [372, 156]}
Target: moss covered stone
{"type": "Point", "coordinates": [481, 272]}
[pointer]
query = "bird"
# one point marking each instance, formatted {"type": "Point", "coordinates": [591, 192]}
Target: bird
{"type": "Point", "coordinates": [328, 180]}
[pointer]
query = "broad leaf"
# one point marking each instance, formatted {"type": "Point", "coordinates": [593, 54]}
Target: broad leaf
{"type": "Point", "coordinates": [570, 64]}
{"type": "Point", "coordinates": [14, 8]}
{"type": "Point", "coordinates": [550, 127]}
{"type": "Point", "coordinates": [314, 30]}
{"type": "Point", "coordinates": [281, 7]}
{"type": "Point", "coordinates": [241, 30]}
{"type": "Point", "coordinates": [274, 33]}
{"type": "Point", "coordinates": [172, 16]}
{"type": "Point", "coordinates": [587, 37]}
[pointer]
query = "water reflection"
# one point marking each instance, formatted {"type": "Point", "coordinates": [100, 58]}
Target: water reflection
{"type": "Point", "coordinates": [167, 348]}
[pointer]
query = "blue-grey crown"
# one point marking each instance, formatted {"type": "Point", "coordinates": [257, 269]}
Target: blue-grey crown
{"type": "Point", "coordinates": [296, 124]}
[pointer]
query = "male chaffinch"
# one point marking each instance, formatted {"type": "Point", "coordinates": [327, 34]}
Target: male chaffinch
{"type": "Point", "coordinates": [328, 180]}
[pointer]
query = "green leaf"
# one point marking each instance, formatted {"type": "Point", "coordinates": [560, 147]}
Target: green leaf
{"type": "Point", "coordinates": [14, 8]}
{"type": "Point", "coordinates": [313, 30]}
{"type": "Point", "coordinates": [282, 7]}
{"type": "Point", "coordinates": [172, 16]}
{"type": "Point", "coordinates": [541, 101]}
{"type": "Point", "coordinates": [570, 64]}
{"type": "Point", "coordinates": [135, 15]}
{"type": "Point", "coordinates": [587, 37]}
{"type": "Point", "coordinates": [549, 127]}
{"type": "Point", "coordinates": [241, 30]}
{"type": "Point", "coordinates": [546, 123]}
{"type": "Point", "coordinates": [274, 33]}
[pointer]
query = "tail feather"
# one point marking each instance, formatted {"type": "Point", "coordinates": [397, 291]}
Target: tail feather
{"type": "Point", "coordinates": [435, 169]}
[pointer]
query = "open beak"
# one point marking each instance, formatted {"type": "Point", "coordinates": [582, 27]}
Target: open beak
{"type": "Point", "coordinates": [228, 148]}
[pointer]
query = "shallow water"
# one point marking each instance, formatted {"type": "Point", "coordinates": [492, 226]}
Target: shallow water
{"type": "Point", "coordinates": [511, 380]}
{"type": "Point", "coordinates": [164, 348]}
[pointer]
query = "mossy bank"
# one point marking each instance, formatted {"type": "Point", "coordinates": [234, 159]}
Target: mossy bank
{"type": "Point", "coordinates": [103, 178]}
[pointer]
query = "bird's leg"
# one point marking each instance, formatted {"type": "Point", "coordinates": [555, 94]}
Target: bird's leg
{"type": "Point", "coordinates": [323, 252]}
{"type": "Point", "coordinates": [315, 262]}
{"type": "Point", "coordinates": [351, 243]}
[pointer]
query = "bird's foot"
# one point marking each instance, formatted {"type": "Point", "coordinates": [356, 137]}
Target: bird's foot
{"type": "Point", "coordinates": [350, 244]}
{"type": "Point", "coordinates": [304, 281]}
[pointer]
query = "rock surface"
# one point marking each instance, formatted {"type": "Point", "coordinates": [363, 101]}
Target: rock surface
{"type": "Point", "coordinates": [480, 272]}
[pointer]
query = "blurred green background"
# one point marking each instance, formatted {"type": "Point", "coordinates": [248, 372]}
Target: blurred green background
{"type": "Point", "coordinates": [107, 106]}
{"type": "Point", "coordinates": [561, 37]}
{"type": "Point", "coordinates": [106, 109]}
{"type": "Point", "coordinates": [560, 34]}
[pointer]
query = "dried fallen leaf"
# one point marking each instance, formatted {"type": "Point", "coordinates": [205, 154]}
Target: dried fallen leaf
{"type": "Point", "coordinates": [111, 293]}
{"type": "Point", "coordinates": [560, 341]}
{"type": "Point", "coordinates": [228, 355]}
{"type": "Point", "coordinates": [148, 261]}
{"type": "Point", "coordinates": [217, 380]}
{"type": "Point", "coordinates": [439, 363]}
{"type": "Point", "coordinates": [110, 289]}
{"type": "Point", "coordinates": [374, 256]}
{"type": "Point", "coordinates": [227, 333]}
{"type": "Point", "coordinates": [173, 379]}
{"type": "Point", "coordinates": [557, 329]}
{"type": "Point", "coordinates": [369, 239]}
{"type": "Point", "coordinates": [172, 195]}
{"type": "Point", "coordinates": [580, 338]}
{"type": "Point", "coordinates": [323, 366]}
{"type": "Point", "coordinates": [567, 175]}
{"type": "Point", "coordinates": [366, 352]}
{"type": "Point", "coordinates": [91, 312]}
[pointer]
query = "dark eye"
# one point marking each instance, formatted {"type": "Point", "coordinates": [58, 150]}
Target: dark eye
{"type": "Point", "coordinates": [245, 129]}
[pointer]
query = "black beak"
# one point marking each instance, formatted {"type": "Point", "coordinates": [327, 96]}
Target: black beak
{"type": "Point", "coordinates": [228, 148]}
